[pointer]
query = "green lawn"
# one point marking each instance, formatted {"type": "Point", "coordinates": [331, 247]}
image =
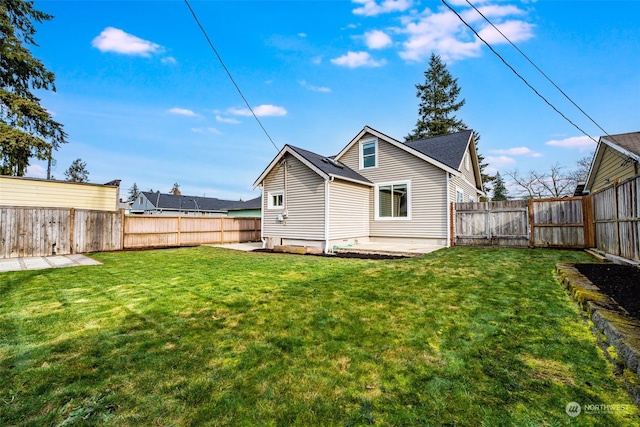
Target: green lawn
{"type": "Point", "coordinates": [207, 336]}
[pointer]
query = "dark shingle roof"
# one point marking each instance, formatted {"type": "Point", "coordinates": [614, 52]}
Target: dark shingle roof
{"type": "Point", "coordinates": [249, 204]}
{"type": "Point", "coordinates": [447, 149]}
{"type": "Point", "coordinates": [190, 203]}
{"type": "Point", "coordinates": [329, 165]}
{"type": "Point", "coordinates": [629, 141]}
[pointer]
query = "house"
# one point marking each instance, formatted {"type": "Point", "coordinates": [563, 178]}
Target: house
{"type": "Point", "coordinates": [35, 192]}
{"type": "Point", "coordinates": [250, 208]}
{"type": "Point", "coordinates": [616, 159]}
{"type": "Point", "coordinates": [171, 204]}
{"type": "Point", "coordinates": [376, 189]}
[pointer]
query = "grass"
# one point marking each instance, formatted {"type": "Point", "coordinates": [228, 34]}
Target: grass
{"type": "Point", "coordinates": [207, 336]}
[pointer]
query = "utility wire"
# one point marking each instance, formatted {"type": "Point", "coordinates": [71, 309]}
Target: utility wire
{"type": "Point", "coordinates": [536, 67]}
{"type": "Point", "coordinates": [229, 73]}
{"type": "Point", "coordinates": [515, 72]}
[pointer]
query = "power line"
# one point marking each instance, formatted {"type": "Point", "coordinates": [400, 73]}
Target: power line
{"type": "Point", "coordinates": [229, 74]}
{"type": "Point", "coordinates": [536, 67]}
{"type": "Point", "coordinates": [516, 73]}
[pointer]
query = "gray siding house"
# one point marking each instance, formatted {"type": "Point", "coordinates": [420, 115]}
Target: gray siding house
{"type": "Point", "coordinates": [617, 158]}
{"type": "Point", "coordinates": [377, 189]}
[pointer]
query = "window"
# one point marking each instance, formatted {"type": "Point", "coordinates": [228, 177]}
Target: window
{"type": "Point", "coordinates": [459, 195]}
{"type": "Point", "coordinates": [466, 161]}
{"type": "Point", "coordinates": [368, 153]}
{"type": "Point", "coordinates": [276, 200]}
{"type": "Point", "coordinates": [393, 200]}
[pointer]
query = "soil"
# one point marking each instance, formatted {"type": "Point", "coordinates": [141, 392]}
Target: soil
{"type": "Point", "coordinates": [620, 282]}
{"type": "Point", "coordinates": [345, 255]}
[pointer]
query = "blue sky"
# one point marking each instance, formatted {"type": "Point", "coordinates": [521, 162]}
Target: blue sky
{"type": "Point", "coordinates": [144, 98]}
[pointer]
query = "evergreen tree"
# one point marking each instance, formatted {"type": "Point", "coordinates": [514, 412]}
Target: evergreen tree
{"type": "Point", "coordinates": [175, 190]}
{"type": "Point", "coordinates": [134, 192]}
{"type": "Point", "coordinates": [77, 172]}
{"type": "Point", "coordinates": [26, 128]}
{"type": "Point", "coordinates": [499, 189]}
{"type": "Point", "coordinates": [438, 103]}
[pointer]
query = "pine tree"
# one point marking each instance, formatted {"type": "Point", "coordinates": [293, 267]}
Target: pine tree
{"type": "Point", "coordinates": [175, 190]}
{"type": "Point", "coordinates": [438, 103]}
{"type": "Point", "coordinates": [499, 189]}
{"type": "Point", "coordinates": [134, 192]}
{"type": "Point", "coordinates": [77, 172]}
{"type": "Point", "coordinates": [26, 128]}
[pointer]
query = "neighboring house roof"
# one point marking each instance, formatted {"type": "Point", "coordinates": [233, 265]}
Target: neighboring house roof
{"type": "Point", "coordinates": [189, 203]}
{"type": "Point", "coordinates": [326, 167]}
{"type": "Point", "coordinates": [628, 144]}
{"type": "Point", "coordinates": [249, 204]}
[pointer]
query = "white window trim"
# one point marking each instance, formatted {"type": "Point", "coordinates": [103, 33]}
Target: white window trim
{"type": "Point", "coordinates": [361, 157]}
{"type": "Point", "coordinates": [377, 200]}
{"type": "Point", "coordinates": [467, 162]}
{"type": "Point", "coordinates": [459, 191]}
{"type": "Point", "coordinates": [270, 196]}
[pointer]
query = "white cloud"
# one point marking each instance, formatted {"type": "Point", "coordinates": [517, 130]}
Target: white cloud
{"type": "Point", "coordinates": [443, 33]}
{"type": "Point", "coordinates": [206, 130]}
{"type": "Point", "coordinates": [317, 60]}
{"type": "Point", "coordinates": [302, 35]}
{"type": "Point", "coordinates": [357, 59]}
{"type": "Point", "coordinates": [169, 60]}
{"type": "Point", "coordinates": [231, 120]}
{"type": "Point", "coordinates": [36, 171]}
{"type": "Point", "coordinates": [260, 111]}
{"type": "Point", "coordinates": [377, 39]}
{"type": "Point", "coordinates": [517, 151]}
{"type": "Point", "coordinates": [313, 88]}
{"type": "Point", "coordinates": [115, 40]}
{"type": "Point", "coordinates": [582, 143]}
{"type": "Point", "coordinates": [182, 112]}
{"type": "Point", "coordinates": [373, 8]}
{"type": "Point", "coordinates": [498, 163]}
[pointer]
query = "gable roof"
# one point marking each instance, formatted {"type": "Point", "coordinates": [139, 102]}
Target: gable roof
{"type": "Point", "coordinates": [448, 149]}
{"type": "Point", "coordinates": [627, 144]}
{"type": "Point", "coordinates": [402, 146]}
{"type": "Point", "coordinates": [326, 167]}
{"type": "Point", "coordinates": [189, 203]}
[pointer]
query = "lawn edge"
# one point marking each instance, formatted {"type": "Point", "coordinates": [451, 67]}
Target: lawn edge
{"type": "Point", "coordinates": [617, 333]}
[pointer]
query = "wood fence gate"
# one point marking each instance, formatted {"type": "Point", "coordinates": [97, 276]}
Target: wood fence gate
{"type": "Point", "coordinates": [562, 223]}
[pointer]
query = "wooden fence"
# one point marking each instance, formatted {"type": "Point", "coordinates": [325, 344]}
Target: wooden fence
{"type": "Point", "coordinates": [563, 222]}
{"type": "Point", "coordinates": [26, 231]}
{"type": "Point", "coordinates": [149, 231]}
{"type": "Point", "coordinates": [491, 223]}
{"type": "Point", "coordinates": [617, 219]}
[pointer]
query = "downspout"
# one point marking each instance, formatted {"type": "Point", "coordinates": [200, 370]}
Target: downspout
{"type": "Point", "coordinates": [262, 209]}
{"type": "Point", "coordinates": [448, 226]}
{"type": "Point", "coordinates": [326, 213]}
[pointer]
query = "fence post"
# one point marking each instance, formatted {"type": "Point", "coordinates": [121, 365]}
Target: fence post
{"type": "Point", "coordinates": [122, 219]}
{"type": "Point", "coordinates": [179, 229]}
{"type": "Point", "coordinates": [532, 240]}
{"type": "Point", "coordinates": [452, 225]}
{"type": "Point", "coordinates": [72, 230]}
{"type": "Point", "coordinates": [221, 229]}
{"type": "Point", "coordinates": [587, 218]}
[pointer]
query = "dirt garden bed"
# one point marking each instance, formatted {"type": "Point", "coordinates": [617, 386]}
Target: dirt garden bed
{"type": "Point", "coordinates": [620, 282]}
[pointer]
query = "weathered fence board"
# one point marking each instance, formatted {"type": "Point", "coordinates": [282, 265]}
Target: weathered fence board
{"type": "Point", "coordinates": [559, 222]}
{"type": "Point", "coordinates": [617, 219]}
{"type": "Point", "coordinates": [492, 223]}
{"type": "Point", "coordinates": [27, 231]}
